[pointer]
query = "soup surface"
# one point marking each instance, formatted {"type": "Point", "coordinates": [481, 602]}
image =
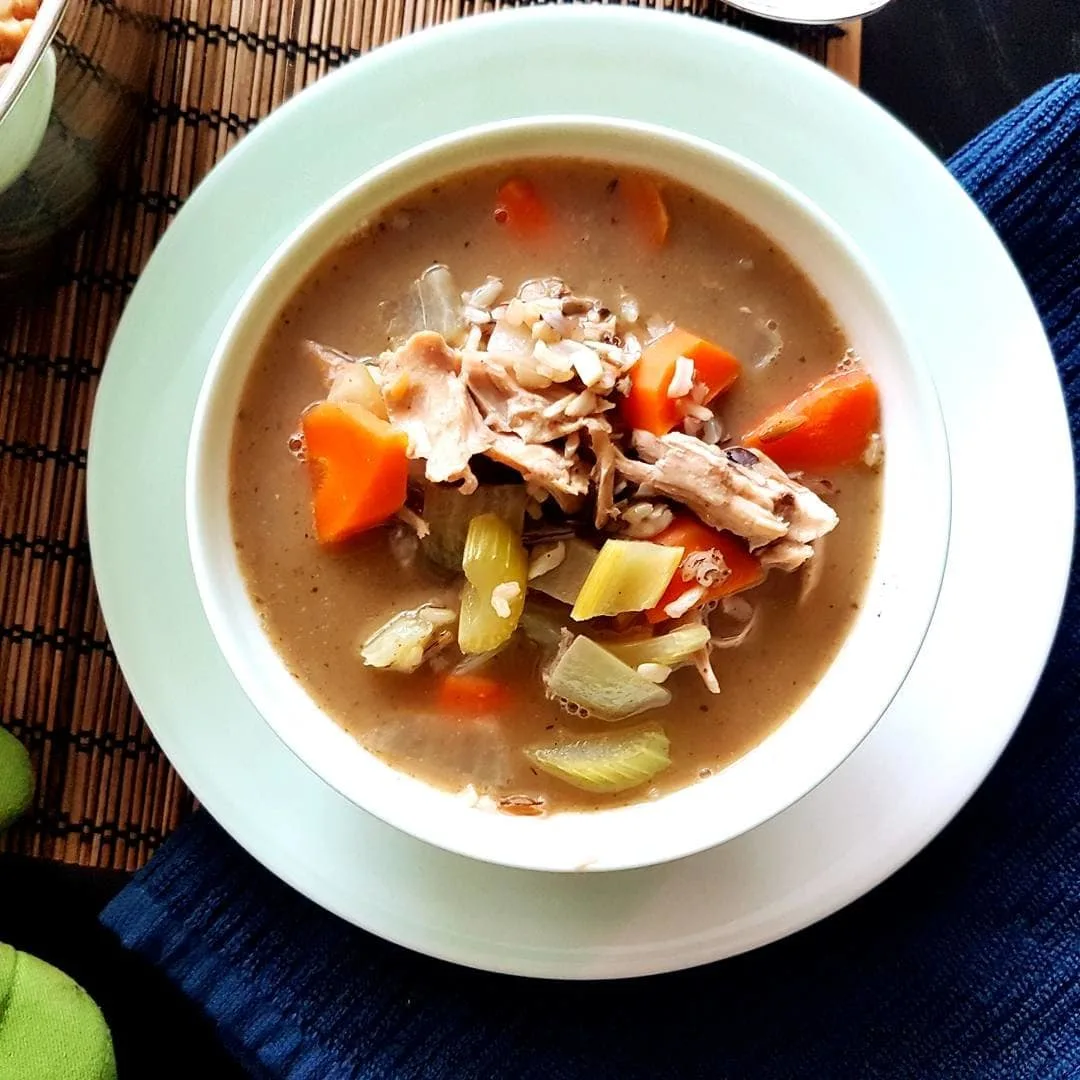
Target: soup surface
{"type": "Point", "coordinates": [653, 259]}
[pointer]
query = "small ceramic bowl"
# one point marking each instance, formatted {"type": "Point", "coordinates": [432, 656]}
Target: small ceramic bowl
{"type": "Point", "coordinates": [838, 712]}
{"type": "Point", "coordinates": [70, 104]}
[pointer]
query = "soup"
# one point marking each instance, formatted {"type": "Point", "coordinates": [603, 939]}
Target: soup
{"type": "Point", "coordinates": [558, 484]}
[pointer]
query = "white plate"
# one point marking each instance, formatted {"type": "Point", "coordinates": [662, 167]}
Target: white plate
{"type": "Point", "coordinates": [950, 279]}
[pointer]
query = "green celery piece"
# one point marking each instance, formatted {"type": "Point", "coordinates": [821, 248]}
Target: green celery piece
{"type": "Point", "coordinates": [448, 514]}
{"type": "Point", "coordinates": [671, 649]}
{"type": "Point", "coordinates": [401, 643]}
{"type": "Point", "coordinates": [628, 575]}
{"type": "Point", "coordinates": [589, 677]}
{"type": "Point", "coordinates": [494, 556]}
{"type": "Point", "coordinates": [605, 764]}
{"type": "Point", "coordinates": [565, 581]}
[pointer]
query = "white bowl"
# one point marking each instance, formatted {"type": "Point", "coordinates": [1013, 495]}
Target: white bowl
{"type": "Point", "coordinates": [838, 712]}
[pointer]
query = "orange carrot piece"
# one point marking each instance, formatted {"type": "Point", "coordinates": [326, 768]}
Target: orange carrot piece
{"type": "Point", "coordinates": [519, 207]}
{"type": "Point", "coordinates": [648, 406]}
{"type": "Point", "coordinates": [714, 367]}
{"type": "Point", "coordinates": [827, 427]}
{"type": "Point", "coordinates": [693, 535]}
{"type": "Point", "coordinates": [465, 694]}
{"type": "Point", "coordinates": [359, 470]}
{"type": "Point", "coordinates": [645, 207]}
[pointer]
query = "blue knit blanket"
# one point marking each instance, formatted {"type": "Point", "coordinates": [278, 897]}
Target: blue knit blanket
{"type": "Point", "coordinates": [965, 964]}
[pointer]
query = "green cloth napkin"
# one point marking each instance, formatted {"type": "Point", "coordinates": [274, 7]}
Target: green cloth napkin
{"type": "Point", "coordinates": [16, 779]}
{"type": "Point", "coordinates": [50, 1028]}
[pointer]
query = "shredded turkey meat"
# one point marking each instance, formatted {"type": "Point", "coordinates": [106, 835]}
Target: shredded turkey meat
{"type": "Point", "coordinates": [535, 386]}
{"type": "Point", "coordinates": [808, 516]}
{"type": "Point", "coordinates": [603, 473]}
{"type": "Point", "coordinates": [543, 467]}
{"type": "Point", "coordinates": [734, 489]}
{"type": "Point", "coordinates": [538, 416]}
{"type": "Point", "coordinates": [426, 398]}
{"type": "Point", "coordinates": [786, 555]}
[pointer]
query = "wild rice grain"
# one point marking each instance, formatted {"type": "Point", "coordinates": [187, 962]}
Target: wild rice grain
{"type": "Point", "coordinates": [584, 404]}
{"type": "Point", "coordinates": [546, 557]}
{"type": "Point", "coordinates": [682, 382]}
{"type": "Point", "coordinates": [678, 608]}
{"type": "Point", "coordinates": [655, 673]}
{"type": "Point", "coordinates": [501, 596]}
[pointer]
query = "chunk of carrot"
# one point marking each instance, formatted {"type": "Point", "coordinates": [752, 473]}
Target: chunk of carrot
{"type": "Point", "coordinates": [519, 207]}
{"type": "Point", "coordinates": [648, 406]}
{"type": "Point", "coordinates": [693, 536]}
{"type": "Point", "coordinates": [359, 469]}
{"type": "Point", "coordinates": [464, 694]}
{"type": "Point", "coordinates": [645, 207]}
{"type": "Point", "coordinates": [827, 427]}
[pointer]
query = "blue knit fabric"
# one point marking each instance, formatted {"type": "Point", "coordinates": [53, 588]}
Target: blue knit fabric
{"type": "Point", "coordinates": [965, 964]}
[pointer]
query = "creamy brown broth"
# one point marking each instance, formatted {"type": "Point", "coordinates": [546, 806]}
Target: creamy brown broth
{"type": "Point", "coordinates": [716, 275]}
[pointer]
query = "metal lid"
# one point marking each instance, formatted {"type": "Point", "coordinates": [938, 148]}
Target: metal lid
{"type": "Point", "coordinates": [809, 11]}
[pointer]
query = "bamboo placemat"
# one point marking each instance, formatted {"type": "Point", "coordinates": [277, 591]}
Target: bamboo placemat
{"type": "Point", "coordinates": [106, 795]}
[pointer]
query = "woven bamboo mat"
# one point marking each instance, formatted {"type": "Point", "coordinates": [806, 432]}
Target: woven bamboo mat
{"type": "Point", "coordinates": [106, 795]}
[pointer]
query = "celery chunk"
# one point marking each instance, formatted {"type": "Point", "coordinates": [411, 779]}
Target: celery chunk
{"type": "Point", "coordinates": [496, 567]}
{"type": "Point", "coordinates": [588, 676]}
{"type": "Point", "coordinates": [448, 514]}
{"type": "Point", "coordinates": [605, 764]}
{"type": "Point", "coordinates": [565, 581]}
{"type": "Point", "coordinates": [541, 625]}
{"type": "Point", "coordinates": [402, 643]}
{"type": "Point", "coordinates": [628, 575]}
{"type": "Point", "coordinates": [671, 649]}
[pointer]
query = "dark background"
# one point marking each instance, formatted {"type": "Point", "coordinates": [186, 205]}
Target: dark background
{"type": "Point", "coordinates": [946, 68]}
